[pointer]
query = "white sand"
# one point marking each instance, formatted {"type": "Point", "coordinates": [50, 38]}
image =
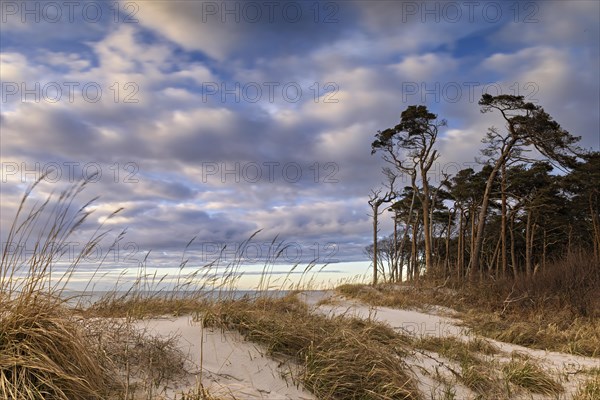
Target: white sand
{"type": "Point", "coordinates": [231, 366]}
{"type": "Point", "coordinates": [412, 322]}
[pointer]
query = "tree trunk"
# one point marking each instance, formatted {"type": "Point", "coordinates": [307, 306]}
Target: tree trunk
{"type": "Point", "coordinates": [460, 245]}
{"type": "Point", "coordinates": [414, 250]}
{"type": "Point", "coordinates": [534, 227]}
{"type": "Point", "coordinates": [405, 236]}
{"type": "Point", "coordinates": [375, 229]}
{"type": "Point", "coordinates": [447, 255]}
{"type": "Point", "coordinates": [544, 251]}
{"type": "Point", "coordinates": [513, 253]}
{"type": "Point", "coordinates": [495, 259]}
{"type": "Point", "coordinates": [486, 200]}
{"type": "Point", "coordinates": [503, 222]}
{"type": "Point", "coordinates": [401, 268]}
{"type": "Point", "coordinates": [595, 227]}
{"type": "Point", "coordinates": [528, 233]}
{"type": "Point", "coordinates": [426, 224]}
{"type": "Point", "coordinates": [472, 216]}
{"type": "Point", "coordinates": [395, 254]}
{"type": "Point", "coordinates": [478, 240]}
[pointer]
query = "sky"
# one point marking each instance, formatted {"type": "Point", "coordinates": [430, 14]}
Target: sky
{"type": "Point", "coordinates": [213, 120]}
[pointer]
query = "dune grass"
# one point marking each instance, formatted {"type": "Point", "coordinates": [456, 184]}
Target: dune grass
{"type": "Point", "coordinates": [475, 373]}
{"type": "Point", "coordinates": [523, 372]}
{"type": "Point", "coordinates": [339, 357]}
{"type": "Point", "coordinates": [44, 352]}
{"type": "Point", "coordinates": [590, 389]}
{"type": "Point", "coordinates": [558, 310]}
{"type": "Point", "coordinates": [47, 349]}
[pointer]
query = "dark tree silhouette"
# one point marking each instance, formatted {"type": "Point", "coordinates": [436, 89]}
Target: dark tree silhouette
{"type": "Point", "coordinates": [409, 146]}
{"type": "Point", "coordinates": [527, 125]}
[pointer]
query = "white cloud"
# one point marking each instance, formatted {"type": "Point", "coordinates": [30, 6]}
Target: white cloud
{"type": "Point", "coordinates": [543, 63]}
{"type": "Point", "coordinates": [562, 84]}
{"type": "Point", "coordinates": [15, 68]}
{"type": "Point", "coordinates": [425, 67]}
{"type": "Point", "coordinates": [184, 25]}
{"type": "Point", "coordinates": [558, 23]}
{"type": "Point", "coordinates": [71, 61]}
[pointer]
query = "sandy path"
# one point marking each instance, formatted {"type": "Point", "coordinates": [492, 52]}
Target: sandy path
{"type": "Point", "coordinates": [566, 368]}
{"type": "Point", "coordinates": [231, 366]}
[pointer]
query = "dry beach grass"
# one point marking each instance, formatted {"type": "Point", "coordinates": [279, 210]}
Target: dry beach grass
{"type": "Point", "coordinates": [558, 310]}
{"type": "Point", "coordinates": [47, 349]}
{"type": "Point", "coordinates": [59, 348]}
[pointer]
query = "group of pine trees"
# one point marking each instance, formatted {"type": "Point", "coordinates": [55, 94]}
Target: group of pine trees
{"type": "Point", "coordinates": [535, 199]}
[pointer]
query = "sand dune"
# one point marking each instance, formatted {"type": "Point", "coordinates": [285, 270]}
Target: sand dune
{"type": "Point", "coordinates": [231, 367]}
{"type": "Point", "coordinates": [228, 365]}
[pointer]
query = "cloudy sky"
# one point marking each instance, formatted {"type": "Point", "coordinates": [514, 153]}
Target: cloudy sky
{"type": "Point", "coordinates": [216, 119]}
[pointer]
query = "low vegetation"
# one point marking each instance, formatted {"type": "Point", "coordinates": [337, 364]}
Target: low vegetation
{"type": "Point", "coordinates": [48, 350]}
{"type": "Point", "coordinates": [523, 372]}
{"type": "Point", "coordinates": [45, 353]}
{"type": "Point", "coordinates": [54, 347]}
{"type": "Point", "coordinates": [591, 388]}
{"type": "Point", "coordinates": [558, 310]}
{"type": "Point", "coordinates": [339, 357]}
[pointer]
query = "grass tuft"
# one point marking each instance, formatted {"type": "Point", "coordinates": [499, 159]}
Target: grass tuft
{"type": "Point", "coordinates": [45, 354]}
{"type": "Point", "coordinates": [44, 351]}
{"type": "Point", "coordinates": [523, 372]}
{"type": "Point", "coordinates": [590, 389]}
